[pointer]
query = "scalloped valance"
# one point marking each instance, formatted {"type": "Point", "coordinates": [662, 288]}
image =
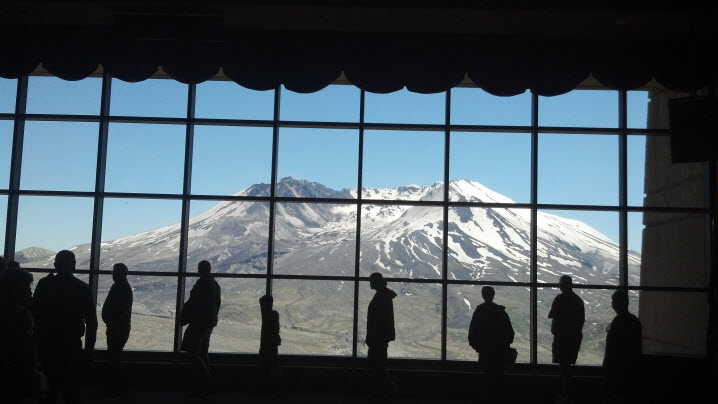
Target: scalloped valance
{"type": "Point", "coordinates": [379, 63]}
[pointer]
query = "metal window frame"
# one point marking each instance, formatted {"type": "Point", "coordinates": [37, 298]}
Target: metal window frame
{"type": "Point", "coordinates": [14, 191]}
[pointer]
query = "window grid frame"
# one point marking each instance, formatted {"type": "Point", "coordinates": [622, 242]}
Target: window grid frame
{"type": "Point", "coordinates": [189, 121]}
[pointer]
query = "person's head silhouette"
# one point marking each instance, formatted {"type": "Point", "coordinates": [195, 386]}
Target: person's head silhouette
{"type": "Point", "coordinates": [15, 287]}
{"type": "Point", "coordinates": [266, 302]}
{"type": "Point", "coordinates": [565, 283]}
{"type": "Point", "coordinates": [119, 272]}
{"type": "Point", "coordinates": [65, 262]}
{"type": "Point", "coordinates": [376, 281]}
{"type": "Point", "coordinates": [619, 301]}
{"type": "Point", "coordinates": [487, 292]}
{"type": "Point", "coordinates": [204, 268]}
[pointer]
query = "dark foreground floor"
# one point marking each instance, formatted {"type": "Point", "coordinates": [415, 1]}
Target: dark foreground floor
{"type": "Point", "coordinates": [665, 380]}
{"type": "Point", "coordinates": [152, 397]}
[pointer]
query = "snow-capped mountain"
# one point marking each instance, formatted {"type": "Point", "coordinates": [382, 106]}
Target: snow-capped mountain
{"type": "Point", "coordinates": [406, 241]}
{"type": "Point", "coordinates": [399, 240]}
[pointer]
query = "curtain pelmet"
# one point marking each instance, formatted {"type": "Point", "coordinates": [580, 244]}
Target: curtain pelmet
{"type": "Point", "coordinates": [379, 63]}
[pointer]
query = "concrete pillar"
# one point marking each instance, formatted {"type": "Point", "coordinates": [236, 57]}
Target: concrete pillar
{"type": "Point", "coordinates": [674, 245]}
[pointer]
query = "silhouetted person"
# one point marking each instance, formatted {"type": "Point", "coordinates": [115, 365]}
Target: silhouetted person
{"type": "Point", "coordinates": [269, 343]}
{"type": "Point", "coordinates": [491, 334]}
{"type": "Point", "coordinates": [21, 377]}
{"type": "Point", "coordinates": [200, 315]}
{"type": "Point", "coordinates": [3, 268]}
{"type": "Point", "coordinates": [624, 352]}
{"type": "Point", "coordinates": [64, 311]}
{"type": "Point", "coordinates": [380, 331]}
{"type": "Point", "coordinates": [568, 316]}
{"type": "Point", "coordinates": [13, 265]}
{"type": "Point", "coordinates": [117, 314]}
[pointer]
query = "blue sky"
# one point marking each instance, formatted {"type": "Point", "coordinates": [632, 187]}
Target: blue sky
{"type": "Point", "coordinates": [149, 158]}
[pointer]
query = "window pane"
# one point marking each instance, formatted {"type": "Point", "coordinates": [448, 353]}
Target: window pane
{"type": "Point", "coordinates": [8, 92]}
{"type": "Point", "coordinates": [314, 239]}
{"type": "Point", "coordinates": [402, 241]}
{"type": "Point", "coordinates": [580, 108]}
{"type": "Point", "coordinates": [653, 180]}
{"type": "Point", "coordinates": [145, 158]}
{"type": "Point", "coordinates": [142, 233]}
{"type": "Point", "coordinates": [46, 225]}
{"type": "Point", "coordinates": [403, 165]}
{"type": "Point", "coordinates": [490, 167]}
{"type": "Point", "coordinates": [154, 97]}
{"type": "Point", "coordinates": [327, 158]}
{"type": "Point", "coordinates": [232, 235]}
{"type": "Point", "coordinates": [662, 243]}
{"type": "Point", "coordinates": [578, 169]}
{"type": "Point", "coordinates": [404, 106]}
{"type": "Point", "coordinates": [240, 321]}
{"type": "Point", "coordinates": [417, 320]}
{"type": "Point", "coordinates": [52, 95]}
{"type": "Point", "coordinates": [6, 128]}
{"type": "Point", "coordinates": [229, 100]}
{"type": "Point", "coordinates": [635, 231]}
{"type": "Point", "coordinates": [59, 156]}
{"type": "Point", "coordinates": [3, 218]}
{"type": "Point", "coordinates": [580, 244]}
{"type": "Point", "coordinates": [597, 306]}
{"type": "Point", "coordinates": [674, 323]}
{"type": "Point", "coordinates": [637, 109]}
{"type": "Point", "coordinates": [154, 300]}
{"type": "Point", "coordinates": [334, 103]}
{"type": "Point", "coordinates": [315, 317]}
{"type": "Point", "coordinates": [227, 160]}
{"type": "Point", "coordinates": [463, 300]}
{"type": "Point", "coordinates": [489, 244]}
{"type": "Point", "coordinates": [474, 106]}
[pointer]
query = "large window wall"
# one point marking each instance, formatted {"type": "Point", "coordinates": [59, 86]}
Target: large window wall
{"type": "Point", "coordinates": [305, 195]}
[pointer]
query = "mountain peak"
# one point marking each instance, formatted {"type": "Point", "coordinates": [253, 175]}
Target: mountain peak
{"type": "Point", "coordinates": [33, 254]}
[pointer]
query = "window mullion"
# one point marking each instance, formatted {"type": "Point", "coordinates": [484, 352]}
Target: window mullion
{"type": "Point", "coordinates": [534, 226]}
{"type": "Point", "coordinates": [184, 226]}
{"type": "Point", "coordinates": [272, 190]}
{"type": "Point", "coordinates": [15, 168]}
{"type": "Point", "coordinates": [445, 241]}
{"type": "Point", "coordinates": [100, 172]}
{"type": "Point", "coordinates": [623, 187]}
{"type": "Point", "coordinates": [357, 248]}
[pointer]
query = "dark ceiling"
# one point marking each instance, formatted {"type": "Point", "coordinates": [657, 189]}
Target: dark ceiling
{"type": "Point", "coordinates": [560, 18]}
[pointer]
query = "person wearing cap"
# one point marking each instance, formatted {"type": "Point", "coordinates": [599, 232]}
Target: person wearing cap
{"type": "Point", "coordinates": [380, 330]}
{"type": "Point", "coordinates": [117, 314]}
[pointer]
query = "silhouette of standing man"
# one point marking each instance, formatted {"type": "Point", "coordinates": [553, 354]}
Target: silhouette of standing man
{"type": "Point", "coordinates": [491, 334]}
{"type": "Point", "coordinates": [567, 314]}
{"type": "Point", "coordinates": [624, 352]}
{"type": "Point", "coordinates": [380, 330]}
{"type": "Point", "coordinates": [269, 343]}
{"type": "Point", "coordinates": [117, 313]}
{"type": "Point", "coordinates": [21, 379]}
{"type": "Point", "coordinates": [65, 311]}
{"type": "Point", "coordinates": [200, 315]}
